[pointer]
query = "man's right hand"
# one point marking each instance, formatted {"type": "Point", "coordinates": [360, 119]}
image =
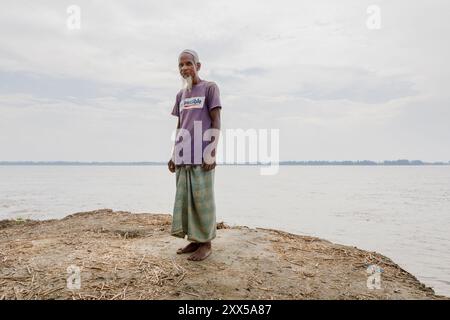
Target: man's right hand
{"type": "Point", "coordinates": [171, 166]}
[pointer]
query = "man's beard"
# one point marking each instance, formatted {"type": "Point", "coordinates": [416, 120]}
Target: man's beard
{"type": "Point", "coordinates": [186, 83]}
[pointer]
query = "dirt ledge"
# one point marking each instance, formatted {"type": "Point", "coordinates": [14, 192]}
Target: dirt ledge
{"type": "Point", "coordinates": [122, 255]}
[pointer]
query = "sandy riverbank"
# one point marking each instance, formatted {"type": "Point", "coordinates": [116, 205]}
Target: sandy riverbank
{"type": "Point", "coordinates": [132, 256]}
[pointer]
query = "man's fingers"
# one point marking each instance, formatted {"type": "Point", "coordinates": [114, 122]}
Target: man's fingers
{"type": "Point", "coordinates": [208, 167]}
{"type": "Point", "coordinates": [171, 166]}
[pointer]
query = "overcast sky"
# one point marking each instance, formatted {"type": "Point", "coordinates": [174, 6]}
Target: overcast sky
{"type": "Point", "coordinates": [335, 89]}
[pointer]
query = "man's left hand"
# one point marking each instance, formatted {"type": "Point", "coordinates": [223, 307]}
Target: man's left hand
{"type": "Point", "coordinates": [208, 167]}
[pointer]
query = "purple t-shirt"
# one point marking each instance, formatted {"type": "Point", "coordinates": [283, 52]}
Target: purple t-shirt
{"type": "Point", "coordinates": [194, 106]}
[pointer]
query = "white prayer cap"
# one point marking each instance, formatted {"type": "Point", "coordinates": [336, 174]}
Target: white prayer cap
{"type": "Point", "coordinates": [192, 53]}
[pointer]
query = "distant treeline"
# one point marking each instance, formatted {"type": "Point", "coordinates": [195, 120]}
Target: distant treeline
{"type": "Point", "coordinates": [401, 162]}
{"type": "Point", "coordinates": [77, 163]}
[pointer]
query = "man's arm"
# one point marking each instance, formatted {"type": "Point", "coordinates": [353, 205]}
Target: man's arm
{"type": "Point", "coordinates": [171, 163]}
{"type": "Point", "coordinates": [215, 118]}
{"type": "Point", "coordinates": [215, 124]}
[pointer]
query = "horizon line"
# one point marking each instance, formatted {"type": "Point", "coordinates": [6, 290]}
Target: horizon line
{"type": "Point", "coordinates": [281, 162]}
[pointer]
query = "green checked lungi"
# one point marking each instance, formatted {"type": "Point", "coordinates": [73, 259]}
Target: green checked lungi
{"type": "Point", "coordinates": [194, 212]}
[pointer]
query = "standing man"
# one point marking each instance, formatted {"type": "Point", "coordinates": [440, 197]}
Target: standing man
{"type": "Point", "coordinates": [197, 107]}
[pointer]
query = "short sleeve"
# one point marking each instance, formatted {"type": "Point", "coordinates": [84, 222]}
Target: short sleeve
{"type": "Point", "coordinates": [213, 96]}
{"type": "Point", "coordinates": [176, 109]}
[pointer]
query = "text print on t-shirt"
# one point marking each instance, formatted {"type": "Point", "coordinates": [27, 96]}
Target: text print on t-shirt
{"type": "Point", "coordinates": [192, 103]}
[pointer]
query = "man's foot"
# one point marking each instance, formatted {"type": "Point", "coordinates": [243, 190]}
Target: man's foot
{"type": "Point", "coordinates": [191, 247]}
{"type": "Point", "coordinates": [202, 252]}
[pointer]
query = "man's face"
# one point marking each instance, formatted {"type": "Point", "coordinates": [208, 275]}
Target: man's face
{"type": "Point", "coordinates": [187, 66]}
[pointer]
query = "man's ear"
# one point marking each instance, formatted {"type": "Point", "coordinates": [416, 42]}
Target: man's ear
{"type": "Point", "coordinates": [199, 65]}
